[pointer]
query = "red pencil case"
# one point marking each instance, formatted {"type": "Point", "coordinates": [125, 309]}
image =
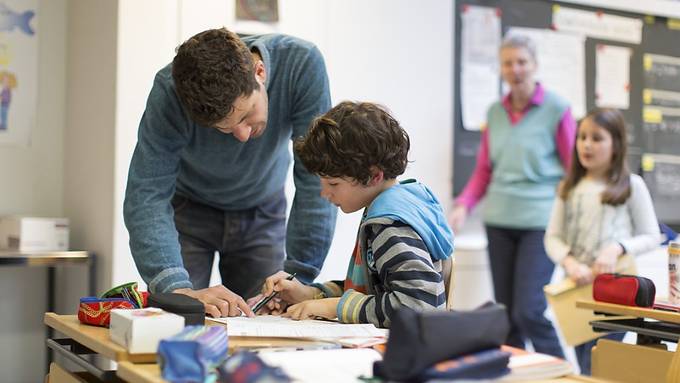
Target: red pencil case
{"type": "Point", "coordinates": [97, 311]}
{"type": "Point", "coordinates": [629, 290]}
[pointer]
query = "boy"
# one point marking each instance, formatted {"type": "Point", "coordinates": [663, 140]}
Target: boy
{"type": "Point", "coordinates": [359, 149]}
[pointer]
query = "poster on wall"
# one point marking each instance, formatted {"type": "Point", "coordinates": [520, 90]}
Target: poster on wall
{"type": "Point", "coordinates": [18, 70]}
{"type": "Point", "coordinates": [480, 40]}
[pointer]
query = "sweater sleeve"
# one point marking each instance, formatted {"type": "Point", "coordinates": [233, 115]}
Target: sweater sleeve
{"type": "Point", "coordinates": [475, 189]}
{"type": "Point", "coordinates": [406, 277]}
{"type": "Point", "coordinates": [554, 241]}
{"type": "Point", "coordinates": [646, 234]}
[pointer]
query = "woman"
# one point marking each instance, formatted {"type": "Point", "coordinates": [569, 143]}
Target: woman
{"type": "Point", "coordinates": [523, 154]}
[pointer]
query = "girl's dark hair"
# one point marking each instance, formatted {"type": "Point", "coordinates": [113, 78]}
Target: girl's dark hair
{"type": "Point", "coordinates": [350, 139]}
{"type": "Point", "coordinates": [618, 175]}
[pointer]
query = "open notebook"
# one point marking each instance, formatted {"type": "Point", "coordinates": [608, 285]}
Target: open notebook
{"type": "Point", "coordinates": [275, 326]}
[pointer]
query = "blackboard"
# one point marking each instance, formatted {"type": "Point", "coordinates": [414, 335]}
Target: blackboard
{"type": "Point", "coordinates": [656, 145]}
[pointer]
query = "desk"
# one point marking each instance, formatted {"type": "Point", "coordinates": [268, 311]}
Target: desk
{"type": "Point", "coordinates": [84, 339]}
{"type": "Point", "coordinates": [646, 361]}
{"type": "Point", "coordinates": [51, 259]}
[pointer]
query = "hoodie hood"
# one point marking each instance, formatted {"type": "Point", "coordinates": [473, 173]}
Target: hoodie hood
{"type": "Point", "coordinates": [413, 203]}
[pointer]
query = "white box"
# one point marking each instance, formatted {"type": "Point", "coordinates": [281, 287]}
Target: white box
{"type": "Point", "coordinates": [23, 233]}
{"type": "Point", "coordinates": [140, 331]}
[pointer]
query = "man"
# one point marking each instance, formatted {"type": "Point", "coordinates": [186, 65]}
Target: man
{"type": "Point", "coordinates": [213, 150]}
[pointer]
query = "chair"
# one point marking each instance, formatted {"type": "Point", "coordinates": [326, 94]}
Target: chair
{"type": "Point", "coordinates": [448, 266]}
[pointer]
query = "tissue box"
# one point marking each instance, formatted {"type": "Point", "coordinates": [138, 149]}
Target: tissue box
{"type": "Point", "coordinates": [140, 331]}
{"type": "Point", "coordinates": [33, 233]}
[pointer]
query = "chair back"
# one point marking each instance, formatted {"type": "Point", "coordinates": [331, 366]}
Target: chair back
{"type": "Point", "coordinates": [448, 266]}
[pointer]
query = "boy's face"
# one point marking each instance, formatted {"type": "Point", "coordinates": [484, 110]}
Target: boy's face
{"type": "Point", "coordinates": [348, 194]}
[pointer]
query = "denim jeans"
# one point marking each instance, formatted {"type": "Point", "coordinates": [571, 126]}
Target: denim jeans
{"type": "Point", "coordinates": [250, 242]}
{"type": "Point", "coordinates": [520, 268]}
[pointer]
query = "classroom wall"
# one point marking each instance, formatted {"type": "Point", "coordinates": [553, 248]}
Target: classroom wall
{"type": "Point", "coordinates": [32, 183]}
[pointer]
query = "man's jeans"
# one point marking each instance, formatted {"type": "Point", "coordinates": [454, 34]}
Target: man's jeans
{"type": "Point", "coordinates": [250, 242]}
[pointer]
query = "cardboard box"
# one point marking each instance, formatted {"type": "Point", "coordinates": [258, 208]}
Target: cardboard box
{"type": "Point", "coordinates": [140, 331]}
{"type": "Point", "coordinates": [621, 362]}
{"type": "Point", "coordinates": [27, 234]}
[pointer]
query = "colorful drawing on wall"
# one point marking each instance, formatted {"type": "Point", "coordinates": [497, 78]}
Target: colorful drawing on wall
{"type": "Point", "coordinates": [18, 70]}
{"type": "Point", "coordinates": [266, 11]}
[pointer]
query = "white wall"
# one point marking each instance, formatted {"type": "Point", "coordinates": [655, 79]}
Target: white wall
{"type": "Point", "coordinates": [32, 183]}
{"type": "Point", "coordinates": [414, 82]}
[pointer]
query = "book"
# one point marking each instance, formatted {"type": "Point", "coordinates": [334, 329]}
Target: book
{"type": "Point", "coordinates": [526, 366]}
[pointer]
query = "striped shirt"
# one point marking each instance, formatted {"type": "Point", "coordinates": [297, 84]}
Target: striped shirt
{"type": "Point", "coordinates": [390, 268]}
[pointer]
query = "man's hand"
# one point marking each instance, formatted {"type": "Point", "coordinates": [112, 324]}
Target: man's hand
{"type": "Point", "coordinates": [290, 292]}
{"type": "Point", "coordinates": [219, 301]}
{"type": "Point", "coordinates": [606, 258]}
{"type": "Point", "coordinates": [325, 308]}
{"type": "Point", "coordinates": [577, 271]}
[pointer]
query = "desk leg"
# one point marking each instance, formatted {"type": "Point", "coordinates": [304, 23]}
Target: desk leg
{"type": "Point", "coordinates": [50, 308]}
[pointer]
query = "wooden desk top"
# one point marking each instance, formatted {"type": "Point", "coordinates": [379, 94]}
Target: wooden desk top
{"type": "Point", "coordinates": [93, 337]}
{"type": "Point", "coordinates": [638, 312]}
{"type": "Point", "coordinates": [139, 373]}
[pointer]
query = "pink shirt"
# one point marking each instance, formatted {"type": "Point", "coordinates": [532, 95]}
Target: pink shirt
{"type": "Point", "coordinates": [481, 176]}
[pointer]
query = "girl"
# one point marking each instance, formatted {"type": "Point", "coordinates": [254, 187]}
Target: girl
{"type": "Point", "coordinates": [602, 210]}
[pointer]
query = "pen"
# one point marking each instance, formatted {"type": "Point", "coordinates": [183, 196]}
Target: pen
{"type": "Point", "coordinates": [269, 297]}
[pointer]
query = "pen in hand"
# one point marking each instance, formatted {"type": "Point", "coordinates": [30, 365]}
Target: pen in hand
{"type": "Point", "coordinates": [269, 297]}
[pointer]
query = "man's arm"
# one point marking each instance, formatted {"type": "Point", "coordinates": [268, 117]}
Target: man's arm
{"type": "Point", "coordinates": [312, 219]}
{"type": "Point", "coordinates": [151, 184]}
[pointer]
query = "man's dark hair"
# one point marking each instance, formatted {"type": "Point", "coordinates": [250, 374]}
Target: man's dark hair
{"type": "Point", "coordinates": [211, 70]}
{"type": "Point", "coordinates": [351, 138]}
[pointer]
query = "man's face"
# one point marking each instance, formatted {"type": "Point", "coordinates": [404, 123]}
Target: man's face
{"type": "Point", "coordinates": [248, 119]}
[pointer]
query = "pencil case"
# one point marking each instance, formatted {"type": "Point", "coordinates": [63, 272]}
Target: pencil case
{"type": "Point", "coordinates": [622, 289]}
{"type": "Point", "coordinates": [247, 367]}
{"type": "Point", "coordinates": [96, 311]}
{"type": "Point", "coordinates": [418, 340]}
{"type": "Point", "coordinates": [194, 354]}
{"type": "Point", "coordinates": [191, 309]}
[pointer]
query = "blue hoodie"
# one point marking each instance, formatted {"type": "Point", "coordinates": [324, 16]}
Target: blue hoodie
{"type": "Point", "coordinates": [414, 204]}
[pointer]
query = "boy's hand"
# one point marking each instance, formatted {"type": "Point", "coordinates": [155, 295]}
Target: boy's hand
{"type": "Point", "coordinates": [290, 292]}
{"type": "Point", "coordinates": [325, 308]}
{"type": "Point", "coordinates": [606, 259]}
{"type": "Point", "coordinates": [274, 307]}
{"type": "Point", "coordinates": [577, 271]}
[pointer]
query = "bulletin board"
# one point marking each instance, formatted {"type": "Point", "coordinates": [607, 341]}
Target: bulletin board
{"type": "Point", "coordinates": [651, 106]}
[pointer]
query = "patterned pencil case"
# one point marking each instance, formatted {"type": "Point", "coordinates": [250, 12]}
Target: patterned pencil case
{"type": "Point", "coordinates": [194, 354]}
{"type": "Point", "coordinates": [622, 289]}
{"type": "Point", "coordinates": [97, 311]}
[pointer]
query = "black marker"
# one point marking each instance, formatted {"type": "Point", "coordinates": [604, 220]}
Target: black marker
{"type": "Point", "coordinates": [269, 297]}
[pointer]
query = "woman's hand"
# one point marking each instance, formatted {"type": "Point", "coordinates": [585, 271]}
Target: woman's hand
{"type": "Point", "coordinates": [325, 308]}
{"type": "Point", "coordinates": [577, 271]}
{"type": "Point", "coordinates": [457, 217]}
{"type": "Point", "coordinates": [605, 262]}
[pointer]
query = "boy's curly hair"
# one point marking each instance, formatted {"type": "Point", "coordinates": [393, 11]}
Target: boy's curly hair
{"type": "Point", "coordinates": [350, 139]}
{"type": "Point", "coordinates": [211, 70]}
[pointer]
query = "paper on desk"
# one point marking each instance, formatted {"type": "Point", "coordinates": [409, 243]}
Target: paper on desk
{"type": "Point", "coordinates": [341, 365]}
{"type": "Point", "coordinates": [276, 326]}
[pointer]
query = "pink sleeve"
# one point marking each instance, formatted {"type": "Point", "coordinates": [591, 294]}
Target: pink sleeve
{"type": "Point", "coordinates": [481, 176]}
{"type": "Point", "coordinates": [565, 137]}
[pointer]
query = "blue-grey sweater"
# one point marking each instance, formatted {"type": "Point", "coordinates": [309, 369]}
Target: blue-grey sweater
{"type": "Point", "coordinates": [174, 154]}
